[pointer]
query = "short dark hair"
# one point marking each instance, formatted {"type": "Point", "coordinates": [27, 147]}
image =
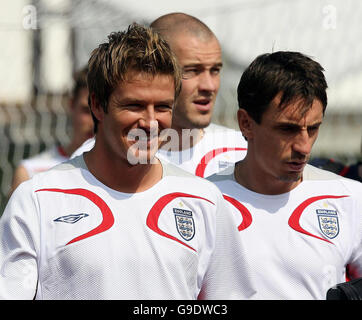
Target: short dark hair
{"type": "Point", "coordinates": [293, 74]}
{"type": "Point", "coordinates": [139, 49]}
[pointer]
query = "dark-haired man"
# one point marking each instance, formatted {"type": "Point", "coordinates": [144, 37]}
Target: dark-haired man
{"type": "Point", "coordinates": [302, 226]}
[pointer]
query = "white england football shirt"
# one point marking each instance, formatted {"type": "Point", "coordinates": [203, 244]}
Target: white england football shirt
{"type": "Point", "coordinates": [299, 244]}
{"type": "Point", "coordinates": [65, 235]}
{"type": "Point", "coordinates": [217, 151]}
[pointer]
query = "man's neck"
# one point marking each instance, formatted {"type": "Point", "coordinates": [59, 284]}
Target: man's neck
{"type": "Point", "coordinates": [120, 175]}
{"type": "Point", "coordinates": [188, 138]}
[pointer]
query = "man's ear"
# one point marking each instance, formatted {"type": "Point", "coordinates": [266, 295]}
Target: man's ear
{"type": "Point", "coordinates": [245, 124]}
{"type": "Point", "coordinates": [96, 107]}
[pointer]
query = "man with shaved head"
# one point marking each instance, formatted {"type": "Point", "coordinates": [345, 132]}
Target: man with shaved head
{"type": "Point", "coordinates": [203, 148]}
{"type": "Point", "coordinates": [173, 23]}
{"type": "Point", "coordinates": [199, 54]}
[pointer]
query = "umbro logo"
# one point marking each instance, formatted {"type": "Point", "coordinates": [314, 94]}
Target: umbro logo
{"type": "Point", "coordinates": [71, 218]}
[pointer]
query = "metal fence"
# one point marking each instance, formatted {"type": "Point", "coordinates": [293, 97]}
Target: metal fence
{"type": "Point", "coordinates": [28, 129]}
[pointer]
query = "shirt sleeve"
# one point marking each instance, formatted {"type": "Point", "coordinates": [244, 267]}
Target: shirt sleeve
{"type": "Point", "coordinates": [19, 245]}
{"type": "Point", "coordinates": [228, 276]}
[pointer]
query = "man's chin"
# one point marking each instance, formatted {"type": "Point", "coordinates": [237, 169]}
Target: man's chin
{"type": "Point", "coordinates": [200, 122]}
{"type": "Point", "coordinates": [291, 177]}
{"type": "Point", "coordinates": [147, 156]}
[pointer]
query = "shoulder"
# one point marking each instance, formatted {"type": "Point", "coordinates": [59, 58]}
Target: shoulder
{"type": "Point", "coordinates": [188, 179]}
{"type": "Point", "coordinates": [21, 174]}
{"type": "Point", "coordinates": [216, 128]}
{"type": "Point", "coordinates": [71, 164]}
{"type": "Point", "coordinates": [58, 176]}
{"type": "Point", "coordinates": [224, 135]}
{"type": "Point", "coordinates": [312, 173]}
{"type": "Point", "coordinates": [44, 160]}
{"type": "Point", "coordinates": [36, 164]}
{"type": "Point", "coordinates": [59, 173]}
{"type": "Point", "coordinates": [170, 169]}
{"type": "Point", "coordinates": [213, 126]}
{"type": "Point", "coordinates": [21, 197]}
{"type": "Point", "coordinates": [44, 155]}
{"type": "Point", "coordinates": [221, 177]}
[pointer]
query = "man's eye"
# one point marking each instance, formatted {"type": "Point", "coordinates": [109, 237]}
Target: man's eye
{"type": "Point", "coordinates": [133, 105]}
{"type": "Point", "coordinates": [288, 129]}
{"type": "Point", "coordinates": [190, 73]}
{"type": "Point", "coordinates": [313, 129]}
{"type": "Point", "coordinates": [215, 71]}
{"type": "Point", "coordinates": [163, 107]}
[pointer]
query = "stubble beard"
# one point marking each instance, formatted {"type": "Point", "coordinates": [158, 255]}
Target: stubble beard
{"type": "Point", "coordinates": [191, 121]}
{"type": "Point", "coordinates": [295, 177]}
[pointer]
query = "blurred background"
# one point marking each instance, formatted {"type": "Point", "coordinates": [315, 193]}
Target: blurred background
{"type": "Point", "coordinates": [43, 42]}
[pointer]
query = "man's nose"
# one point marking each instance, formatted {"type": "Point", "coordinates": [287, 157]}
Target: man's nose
{"type": "Point", "coordinates": [303, 143]}
{"type": "Point", "coordinates": [147, 118]}
{"type": "Point", "coordinates": [208, 82]}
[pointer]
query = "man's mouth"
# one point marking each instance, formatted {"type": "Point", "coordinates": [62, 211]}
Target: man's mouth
{"type": "Point", "coordinates": [142, 136]}
{"type": "Point", "coordinates": [296, 166]}
{"type": "Point", "coordinates": [203, 104]}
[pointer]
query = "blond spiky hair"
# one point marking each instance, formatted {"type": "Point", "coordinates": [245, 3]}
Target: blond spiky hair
{"type": "Point", "coordinates": [139, 49]}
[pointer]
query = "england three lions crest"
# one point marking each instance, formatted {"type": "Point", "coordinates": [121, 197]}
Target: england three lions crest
{"type": "Point", "coordinates": [184, 223]}
{"type": "Point", "coordinates": [328, 222]}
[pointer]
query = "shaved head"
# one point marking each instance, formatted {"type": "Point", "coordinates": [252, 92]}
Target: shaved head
{"type": "Point", "coordinates": [173, 24]}
{"type": "Point", "coordinates": [198, 53]}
